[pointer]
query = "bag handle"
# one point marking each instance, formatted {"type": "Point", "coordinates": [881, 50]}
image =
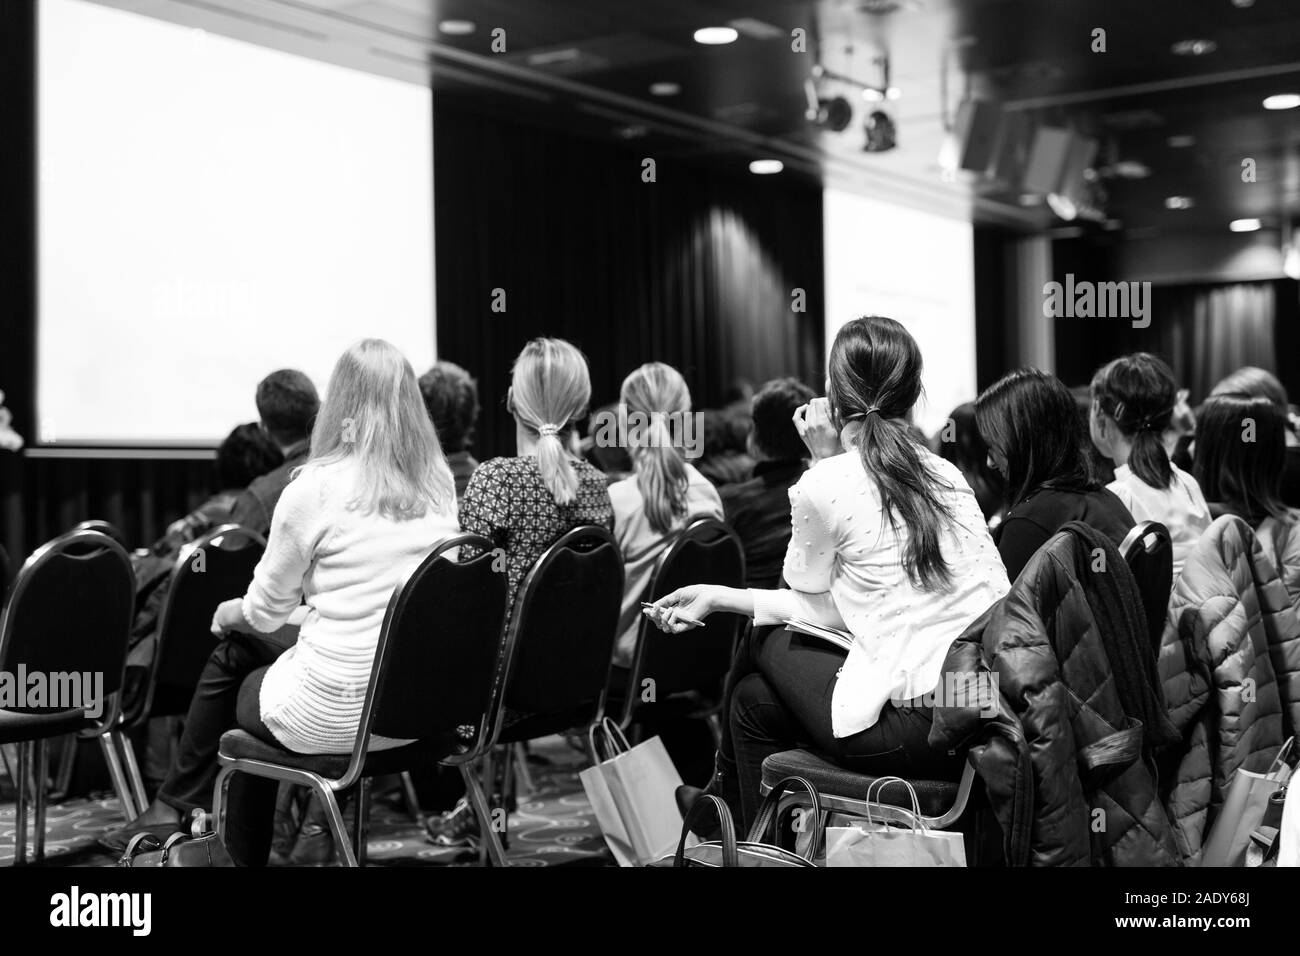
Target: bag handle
{"type": "Point", "coordinates": [615, 740]}
{"type": "Point", "coordinates": [883, 782]}
{"type": "Point", "coordinates": [136, 845]}
{"type": "Point", "coordinates": [766, 819]}
{"type": "Point", "coordinates": [729, 855]}
{"type": "Point", "coordinates": [1280, 761]}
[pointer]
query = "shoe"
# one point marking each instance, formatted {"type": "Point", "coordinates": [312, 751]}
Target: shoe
{"type": "Point", "coordinates": [458, 827]}
{"type": "Point", "coordinates": [285, 829]}
{"type": "Point", "coordinates": [315, 843]}
{"type": "Point", "coordinates": [116, 839]}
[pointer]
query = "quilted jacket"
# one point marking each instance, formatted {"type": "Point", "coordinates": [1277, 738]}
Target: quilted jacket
{"type": "Point", "coordinates": [1231, 629]}
{"type": "Point", "coordinates": [1280, 541]}
{"type": "Point", "coordinates": [1066, 771]}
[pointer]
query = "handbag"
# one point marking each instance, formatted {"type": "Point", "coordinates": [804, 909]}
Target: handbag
{"type": "Point", "coordinates": [1243, 810]}
{"type": "Point", "coordinates": [753, 851]}
{"type": "Point", "coordinates": [877, 843]}
{"type": "Point", "coordinates": [194, 849]}
{"type": "Point", "coordinates": [632, 791]}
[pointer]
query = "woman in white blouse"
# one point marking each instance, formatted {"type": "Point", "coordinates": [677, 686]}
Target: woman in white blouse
{"type": "Point", "coordinates": [372, 500]}
{"type": "Point", "coordinates": [888, 543]}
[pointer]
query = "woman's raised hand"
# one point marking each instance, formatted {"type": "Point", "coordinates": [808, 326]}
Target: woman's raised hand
{"type": "Point", "coordinates": [814, 425]}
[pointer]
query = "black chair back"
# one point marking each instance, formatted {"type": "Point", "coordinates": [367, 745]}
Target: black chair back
{"type": "Point", "coordinates": [1149, 554]}
{"type": "Point", "coordinates": [215, 568]}
{"type": "Point", "coordinates": [561, 636]}
{"type": "Point", "coordinates": [438, 648]}
{"type": "Point", "coordinates": [104, 528]}
{"type": "Point", "coordinates": [707, 551]}
{"type": "Point", "coordinates": [69, 612]}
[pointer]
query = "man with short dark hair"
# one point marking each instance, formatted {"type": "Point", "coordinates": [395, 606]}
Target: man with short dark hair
{"type": "Point", "coordinates": [287, 404]}
{"type": "Point", "coordinates": [451, 397]}
{"type": "Point", "coordinates": [759, 509]}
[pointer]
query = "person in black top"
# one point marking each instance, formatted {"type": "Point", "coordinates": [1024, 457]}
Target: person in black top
{"type": "Point", "coordinates": [1037, 443]}
{"type": "Point", "coordinates": [759, 509]}
{"type": "Point", "coordinates": [1251, 382]}
{"type": "Point", "coordinates": [960, 442]}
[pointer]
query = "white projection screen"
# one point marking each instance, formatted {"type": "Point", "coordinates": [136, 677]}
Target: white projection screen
{"type": "Point", "coordinates": [913, 266]}
{"type": "Point", "coordinates": [211, 210]}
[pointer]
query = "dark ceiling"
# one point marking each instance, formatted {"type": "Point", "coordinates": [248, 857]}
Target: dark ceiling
{"type": "Point", "coordinates": [1181, 123]}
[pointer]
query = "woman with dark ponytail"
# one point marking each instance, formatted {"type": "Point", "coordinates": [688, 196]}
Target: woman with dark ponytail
{"type": "Point", "coordinates": [888, 544]}
{"type": "Point", "coordinates": [1133, 401]}
{"type": "Point", "coordinates": [664, 491]}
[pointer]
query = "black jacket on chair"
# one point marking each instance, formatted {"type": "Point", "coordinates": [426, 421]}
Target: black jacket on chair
{"type": "Point", "coordinates": [1064, 756]}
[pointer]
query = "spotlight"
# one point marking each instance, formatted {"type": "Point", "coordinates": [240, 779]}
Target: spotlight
{"type": "Point", "coordinates": [881, 132]}
{"type": "Point", "coordinates": [665, 89]}
{"type": "Point", "coordinates": [1244, 225]}
{"type": "Point", "coordinates": [1282, 101]}
{"type": "Point", "coordinates": [1195, 47]}
{"type": "Point", "coordinates": [715, 36]}
{"type": "Point", "coordinates": [833, 113]}
{"type": "Point", "coordinates": [1063, 206]}
{"type": "Point", "coordinates": [457, 28]}
{"type": "Point", "coordinates": [1179, 202]}
{"type": "Point", "coordinates": [766, 167]}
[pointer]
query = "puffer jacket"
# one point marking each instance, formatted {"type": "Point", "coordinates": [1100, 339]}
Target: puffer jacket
{"type": "Point", "coordinates": [1229, 616]}
{"type": "Point", "coordinates": [1280, 541]}
{"type": "Point", "coordinates": [1066, 770]}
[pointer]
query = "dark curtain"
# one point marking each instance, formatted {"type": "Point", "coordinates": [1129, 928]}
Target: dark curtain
{"type": "Point", "coordinates": [696, 269]}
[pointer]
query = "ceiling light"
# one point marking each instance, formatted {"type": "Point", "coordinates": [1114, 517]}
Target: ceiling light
{"type": "Point", "coordinates": [1291, 261]}
{"type": "Point", "coordinates": [1181, 141]}
{"type": "Point", "coordinates": [1063, 206]}
{"type": "Point", "coordinates": [766, 167]}
{"type": "Point", "coordinates": [1179, 202]}
{"type": "Point", "coordinates": [1282, 101]}
{"type": "Point", "coordinates": [893, 93]}
{"type": "Point", "coordinates": [716, 36]}
{"type": "Point", "coordinates": [873, 95]}
{"type": "Point", "coordinates": [1244, 225]}
{"type": "Point", "coordinates": [457, 28]}
{"type": "Point", "coordinates": [665, 89]}
{"type": "Point", "coordinates": [1194, 47]}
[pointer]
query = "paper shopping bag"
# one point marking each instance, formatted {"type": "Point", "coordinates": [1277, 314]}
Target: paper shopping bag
{"type": "Point", "coordinates": [1242, 810]}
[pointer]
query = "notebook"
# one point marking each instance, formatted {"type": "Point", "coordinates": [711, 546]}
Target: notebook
{"type": "Point", "coordinates": [831, 635]}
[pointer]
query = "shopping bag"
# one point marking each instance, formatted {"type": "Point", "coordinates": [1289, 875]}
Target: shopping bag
{"type": "Point", "coordinates": [633, 794]}
{"type": "Point", "coordinates": [873, 842]}
{"type": "Point", "coordinates": [1288, 834]}
{"type": "Point", "coordinates": [1243, 809]}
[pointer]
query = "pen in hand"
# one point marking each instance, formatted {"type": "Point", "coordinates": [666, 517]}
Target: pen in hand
{"type": "Point", "coordinates": [680, 617]}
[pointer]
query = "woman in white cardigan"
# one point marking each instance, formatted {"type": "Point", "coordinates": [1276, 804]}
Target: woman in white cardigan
{"type": "Point", "coordinates": [372, 500]}
{"type": "Point", "coordinates": [888, 543]}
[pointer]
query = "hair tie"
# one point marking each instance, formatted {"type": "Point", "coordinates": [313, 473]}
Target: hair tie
{"type": "Point", "coordinates": [548, 429]}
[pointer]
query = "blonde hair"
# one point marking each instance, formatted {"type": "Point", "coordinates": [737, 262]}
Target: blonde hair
{"type": "Point", "coordinates": [373, 412]}
{"type": "Point", "coordinates": [656, 391]}
{"type": "Point", "coordinates": [550, 389]}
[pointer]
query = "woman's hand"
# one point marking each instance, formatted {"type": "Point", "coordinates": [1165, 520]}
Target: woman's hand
{"type": "Point", "coordinates": [228, 617]}
{"type": "Point", "coordinates": [814, 425]}
{"type": "Point", "coordinates": [686, 608]}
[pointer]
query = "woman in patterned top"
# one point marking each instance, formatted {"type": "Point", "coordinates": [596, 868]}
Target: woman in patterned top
{"type": "Point", "coordinates": [525, 503]}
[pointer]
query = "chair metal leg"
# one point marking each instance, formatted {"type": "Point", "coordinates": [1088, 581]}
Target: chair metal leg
{"type": "Point", "coordinates": [411, 798]}
{"type": "Point", "coordinates": [132, 766]}
{"type": "Point", "coordinates": [361, 820]}
{"type": "Point", "coordinates": [338, 829]}
{"type": "Point", "coordinates": [116, 774]}
{"type": "Point", "coordinates": [491, 841]}
{"type": "Point", "coordinates": [20, 784]}
{"type": "Point", "coordinates": [41, 785]}
{"type": "Point", "coordinates": [67, 760]}
{"type": "Point", "coordinates": [218, 821]}
{"type": "Point", "coordinates": [523, 776]}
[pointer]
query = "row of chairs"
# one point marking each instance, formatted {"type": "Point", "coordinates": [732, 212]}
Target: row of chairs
{"type": "Point", "coordinates": [444, 675]}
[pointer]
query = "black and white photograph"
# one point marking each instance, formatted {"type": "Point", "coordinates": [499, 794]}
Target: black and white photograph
{"type": "Point", "coordinates": [447, 436]}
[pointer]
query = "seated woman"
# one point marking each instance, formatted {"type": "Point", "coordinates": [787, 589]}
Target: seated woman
{"type": "Point", "coordinates": [961, 443]}
{"type": "Point", "coordinates": [373, 498]}
{"type": "Point", "coordinates": [1253, 382]}
{"type": "Point", "coordinates": [888, 543]}
{"type": "Point", "coordinates": [1036, 441]}
{"type": "Point", "coordinates": [662, 495]}
{"type": "Point", "coordinates": [1133, 403]}
{"type": "Point", "coordinates": [525, 503]}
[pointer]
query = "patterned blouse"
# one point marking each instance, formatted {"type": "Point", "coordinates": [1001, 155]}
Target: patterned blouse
{"type": "Point", "coordinates": [508, 503]}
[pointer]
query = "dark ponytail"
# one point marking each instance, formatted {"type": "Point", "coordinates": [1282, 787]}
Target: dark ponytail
{"type": "Point", "coordinates": [875, 379]}
{"type": "Point", "coordinates": [1138, 391]}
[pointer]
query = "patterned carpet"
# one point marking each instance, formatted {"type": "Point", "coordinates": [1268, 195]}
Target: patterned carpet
{"type": "Point", "coordinates": [553, 825]}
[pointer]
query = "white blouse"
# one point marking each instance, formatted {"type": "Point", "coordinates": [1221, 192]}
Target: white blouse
{"type": "Point", "coordinates": [343, 564]}
{"type": "Point", "coordinates": [845, 568]}
{"type": "Point", "coordinates": [1181, 507]}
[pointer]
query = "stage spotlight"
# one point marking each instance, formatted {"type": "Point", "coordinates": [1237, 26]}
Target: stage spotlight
{"type": "Point", "coordinates": [834, 113]}
{"type": "Point", "coordinates": [881, 132]}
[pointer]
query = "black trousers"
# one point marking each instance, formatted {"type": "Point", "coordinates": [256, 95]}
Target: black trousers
{"type": "Point", "coordinates": [227, 697]}
{"type": "Point", "coordinates": [778, 697]}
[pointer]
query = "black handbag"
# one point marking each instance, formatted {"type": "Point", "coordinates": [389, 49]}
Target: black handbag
{"type": "Point", "coordinates": [194, 849]}
{"type": "Point", "coordinates": [753, 851]}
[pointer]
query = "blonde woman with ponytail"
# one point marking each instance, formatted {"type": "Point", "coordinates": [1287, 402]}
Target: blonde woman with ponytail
{"type": "Point", "coordinates": [664, 491]}
{"type": "Point", "coordinates": [523, 504]}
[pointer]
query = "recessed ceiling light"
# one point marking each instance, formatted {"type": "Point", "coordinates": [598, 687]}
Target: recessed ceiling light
{"type": "Point", "coordinates": [1179, 202]}
{"type": "Point", "coordinates": [665, 89]}
{"type": "Point", "coordinates": [457, 28]}
{"type": "Point", "coordinates": [766, 167]}
{"type": "Point", "coordinates": [1282, 101]}
{"type": "Point", "coordinates": [716, 36]}
{"type": "Point", "coordinates": [1181, 141]}
{"type": "Point", "coordinates": [1195, 47]}
{"type": "Point", "coordinates": [1244, 225]}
